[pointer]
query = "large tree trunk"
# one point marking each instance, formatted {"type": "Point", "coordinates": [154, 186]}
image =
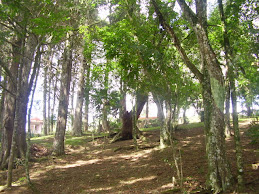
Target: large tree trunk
{"type": "Point", "coordinates": [77, 126]}
{"type": "Point", "coordinates": [58, 144]}
{"type": "Point", "coordinates": [166, 128]}
{"type": "Point", "coordinates": [229, 62]}
{"type": "Point", "coordinates": [15, 129]}
{"type": "Point", "coordinates": [213, 88]}
{"type": "Point", "coordinates": [29, 70]}
{"type": "Point", "coordinates": [9, 106]}
{"type": "Point", "coordinates": [127, 122]}
{"type": "Point", "coordinates": [213, 93]}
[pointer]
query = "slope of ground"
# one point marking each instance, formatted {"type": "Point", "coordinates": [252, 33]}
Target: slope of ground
{"type": "Point", "coordinates": [100, 167]}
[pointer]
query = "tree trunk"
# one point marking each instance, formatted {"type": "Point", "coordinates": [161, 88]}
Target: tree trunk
{"type": "Point", "coordinates": [9, 106]}
{"type": "Point", "coordinates": [105, 109]}
{"type": "Point", "coordinates": [229, 62]}
{"type": "Point", "coordinates": [58, 144]}
{"type": "Point", "coordinates": [122, 100]}
{"type": "Point", "coordinates": [29, 71]}
{"type": "Point", "coordinates": [227, 114]}
{"type": "Point", "coordinates": [17, 116]}
{"type": "Point", "coordinates": [53, 105]}
{"type": "Point", "coordinates": [213, 93]}
{"type": "Point", "coordinates": [2, 107]}
{"type": "Point", "coordinates": [73, 82]}
{"type": "Point", "coordinates": [77, 126]}
{"type": "Point", "coordinates": [146, 111]}
{"type": "Point", "coordinates": [218, 177]}
{"type": "Point", "coordinates": [49, 106]}
{"type": "Point", "coordinates": [127, 126]}
{"type": "Point", "coordinates": [166, 127]}
{"type": "Point", "coordinates": [160, 111]}
{"type": "Point", "coordinates": [45, 128]}
{"type": "Point", "coordinates": [87, 97]}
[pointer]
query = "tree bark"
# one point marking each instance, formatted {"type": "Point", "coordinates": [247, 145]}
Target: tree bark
{"type": "Point", "coordinates": [17, 116]}
{"type": "Point", "coordinates": [58, 144]}
{"type": "Point", "coordinates": [127, 126]}
{"type": "Point", "coordinates": [227, 114]}
{"type": "Point", "coordinates": [9, 105]}
{"type": "Point", "coordinates": [166, 128]}
{"type": "Point", "coordinates": [2, 106]}
{"type": "Point", "coordinates": [229, 62]}
{"type": "Point", "coordinates": [77, 126]}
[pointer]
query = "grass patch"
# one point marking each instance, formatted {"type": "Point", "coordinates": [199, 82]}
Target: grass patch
{"type": "Point", "coordinates": [245, 119]}
{"type": "Point", "coordinates": [191, 125]}
{"type": "Point", "coordinates": [46, 141]}
{"type": "Point", "coordinates": [75, 141]}
{"type": "Point", "coordinates": [150, 129]}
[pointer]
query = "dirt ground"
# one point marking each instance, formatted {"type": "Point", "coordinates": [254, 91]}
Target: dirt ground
{"type": "Point", "coordinates": [100, 167]}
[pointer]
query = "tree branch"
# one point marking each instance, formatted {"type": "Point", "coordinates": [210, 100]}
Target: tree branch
{"type": "Point", "coordinates": [177, 43]}
{"type": "Point", "coordinates": [188, 13]}
{"type": "Point", "coordinates": [2, 86]}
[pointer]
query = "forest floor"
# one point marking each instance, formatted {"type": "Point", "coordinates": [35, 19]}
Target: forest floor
{"type": "Point", "coordinates": [100, 167]}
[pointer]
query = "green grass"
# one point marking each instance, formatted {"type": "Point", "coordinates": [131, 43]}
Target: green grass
{"type": "Point", "coordinates": [245, 119]}
{"type": "Point", "coordinates": [150, 129]}
{"type": "Point", "coordinates": [191, 125]}
{"type": "Point", "coordinates": [47, 141]}
{"type": "Point", "coordinates": [76, 141]}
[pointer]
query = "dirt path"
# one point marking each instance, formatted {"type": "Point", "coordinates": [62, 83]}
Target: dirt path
{"type": "Point", "coordinates": [100, 167]}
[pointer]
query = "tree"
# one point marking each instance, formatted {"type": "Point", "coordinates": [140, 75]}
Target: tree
{"type": "Point", "coordinates": [77, 125]}
{"type": "Point", "coordinates": [58, 144]}
{"type": "Point", "coordinates": [213, 92]}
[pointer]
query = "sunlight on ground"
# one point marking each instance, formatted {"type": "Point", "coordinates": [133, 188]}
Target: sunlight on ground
{"type": "Point", "coordinates": [185, 143]}
{"type": "Point", "coordinates": [79, 163]}
{"type": "Point", "coordinates": [167, 186]}
{"type": "Point", "coordinates": [133, 180]}
{"type": "Point", "coordinates": [255, 166]}
{"type": "Point", "coordinates": [99, 189]}
{"type": "Point", "coordinates": [132, 157]}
